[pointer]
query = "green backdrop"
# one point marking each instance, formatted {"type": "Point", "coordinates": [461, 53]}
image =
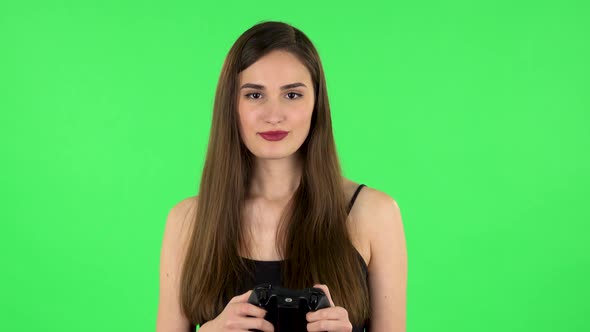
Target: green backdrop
{"type": "Point", "coordinates": [473, 115]}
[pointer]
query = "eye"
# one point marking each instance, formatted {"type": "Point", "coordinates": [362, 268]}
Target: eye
{"type": "Point", "coordinates": [250, 94]}
{"type": "Point", "coordinates": [291, 95]}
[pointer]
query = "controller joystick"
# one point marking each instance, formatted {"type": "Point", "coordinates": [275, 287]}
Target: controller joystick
{"type": "Point", "coordinates": [286, 308]}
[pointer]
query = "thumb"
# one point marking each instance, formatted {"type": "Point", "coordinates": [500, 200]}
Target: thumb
{"type": "Point", "coordinates": [326, 291]}
{"type": "Point", "coordinates": [241, 298]}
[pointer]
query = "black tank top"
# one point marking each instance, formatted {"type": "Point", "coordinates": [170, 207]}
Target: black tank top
{"type": "Point", "coordinates": [270, 272]}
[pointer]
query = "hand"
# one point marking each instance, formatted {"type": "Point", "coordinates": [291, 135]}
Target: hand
{"type": "Point", "coordinates": [332, 319]}
{"type": "Point", "coordinates": [239, 315]}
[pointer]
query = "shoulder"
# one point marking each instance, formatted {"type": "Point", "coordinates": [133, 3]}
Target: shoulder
{"type": "Point", "coordinates": [379, 207]}
{"type": "Point", "coordinates": [372, 207]}
{"type": "Point", "coordinates": [385, 223]}
{"type": "Point", "coordinates": [181, 212]}
{"type": "Point", "coordinates": [176, 233]}
{"type": "Point", "coordinates": [380, 214]}
{"type": "Point", "coordinates": [179, 222]}
{"type": "Point", "coordinates": [378, 218]}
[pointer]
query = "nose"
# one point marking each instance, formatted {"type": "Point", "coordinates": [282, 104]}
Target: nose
{"type": "Point", "coordinates": [274, 112]}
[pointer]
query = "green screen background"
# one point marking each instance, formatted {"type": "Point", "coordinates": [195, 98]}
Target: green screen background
{"type": "Point", "coordinates": [472, 115]}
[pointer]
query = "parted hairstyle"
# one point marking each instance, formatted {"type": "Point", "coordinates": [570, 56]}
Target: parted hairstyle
{"type": "Point", "coordinates": [312, 235]}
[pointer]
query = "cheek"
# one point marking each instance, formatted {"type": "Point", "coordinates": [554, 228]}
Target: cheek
{"type": "Point", "coordinates": [302, 116]}
{"type": "Point", "coordinates": [301, 120]}
{"type": "Point", "coordinates": [248, 123]}
{"type": "Point", "coordinates": [243, 113]}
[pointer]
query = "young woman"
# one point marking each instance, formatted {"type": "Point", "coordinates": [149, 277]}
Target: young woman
{"type": "Point", "coordinates": [273, 205]}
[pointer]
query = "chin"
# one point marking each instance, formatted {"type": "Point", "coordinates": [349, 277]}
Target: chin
{"type": "Point", "coordinates": [276, 155]}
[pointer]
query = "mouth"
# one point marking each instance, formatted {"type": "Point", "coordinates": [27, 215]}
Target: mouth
{"type": "Point", "coordinates": [274, 135]}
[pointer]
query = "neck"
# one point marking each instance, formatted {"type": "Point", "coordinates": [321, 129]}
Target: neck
{"type": "Point", "coordinates": [276, 179]}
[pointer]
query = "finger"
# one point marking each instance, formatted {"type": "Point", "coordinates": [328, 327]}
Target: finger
{"type": "Point", "coordinates": [332, 313]}
{"type": "Point", "coordinates": [248, 309]}
{"type": "Point", "coordinates": [326, 291]}
{"type": "Point", "coordinates": [248, 323]}
{"type": "Point", "coordinates": [240, 298]}
{"type": "Point", "coordinates": [259, 324]}
{"type": "Point", "coordinates": [329, 325]}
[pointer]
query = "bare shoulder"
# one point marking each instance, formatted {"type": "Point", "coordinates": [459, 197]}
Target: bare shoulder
{"type": "Point", "coordinates": [379, 205]}
{"type": "Point", "coordinates": [184, 207]}
{"type": "Point", "coordinates": [376, 215]}
{"type": "Point", "coordinates": [372, 207]}
{"type": "Point", "coordinates": [176, 234]}
{"type": "Point", "coordinates": [379, 216]}
{"type": "Point", "coordinates": [183, 212]}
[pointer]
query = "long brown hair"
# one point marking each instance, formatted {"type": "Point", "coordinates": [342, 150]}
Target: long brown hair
{"type": "Point", "coordinates": [312, 235]}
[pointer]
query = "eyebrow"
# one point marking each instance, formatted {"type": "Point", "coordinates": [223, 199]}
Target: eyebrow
{"type": "Point", "coordinates": [261, 87]}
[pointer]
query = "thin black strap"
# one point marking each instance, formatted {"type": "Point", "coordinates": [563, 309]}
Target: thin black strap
{"type": "Point", "coordinates": [358, 189]}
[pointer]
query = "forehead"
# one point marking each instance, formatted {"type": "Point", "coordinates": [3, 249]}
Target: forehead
{"type": "Point", "coordinates": [274, 69]}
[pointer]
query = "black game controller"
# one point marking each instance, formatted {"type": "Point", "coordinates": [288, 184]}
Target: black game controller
{"type": "Point", "coordinates": [286, 308]}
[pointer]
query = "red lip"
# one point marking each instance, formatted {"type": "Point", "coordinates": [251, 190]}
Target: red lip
{"type": "Point", "coordinates": [274, 135]}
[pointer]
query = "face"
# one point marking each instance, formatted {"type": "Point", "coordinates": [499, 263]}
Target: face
{"type": "Point", "coordinates": [275, 94]}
